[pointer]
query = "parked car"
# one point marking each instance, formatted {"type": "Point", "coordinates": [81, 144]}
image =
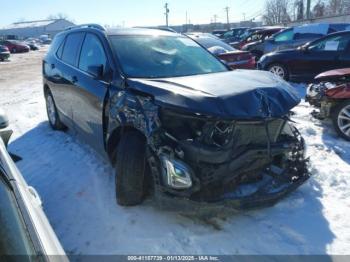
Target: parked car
{"type": "Point", "coordinates": [234, 58]}
{"type": "Point", "coordinates": [15, 46]}
{"type": "Point", "coordinates": [219, 33]}
{"type": "Point", "coordinates": [257, 36]}
{"type": "Point", "coordinates": [174, 120]}
{"type": "Point", "coordinates": [234, 35]}
{"type": "Point", "coordinates": [25, 231]}
{"type": "Point", "coordinates": [4, 53]}
{"type": "Point", "coordinates": [200, 34]}
{"type": "Point", "coordinates": [331, 95]}
{"type": "Point", "coordinates": [293, 38]}
{"type": "Point", "coordinates": [33, 45]}
{"type": "Point", "coordinates": [304, 63]}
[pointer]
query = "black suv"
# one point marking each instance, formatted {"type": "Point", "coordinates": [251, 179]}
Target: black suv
{"type": "Point", "coordinates": [173, 120]}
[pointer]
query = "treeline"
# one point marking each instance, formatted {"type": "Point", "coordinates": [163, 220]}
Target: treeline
{"type": "Point", "coordinates": [284, 11]}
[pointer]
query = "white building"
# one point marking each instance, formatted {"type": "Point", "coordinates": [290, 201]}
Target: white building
{"type": "Point", "coordinates": [35, 28]}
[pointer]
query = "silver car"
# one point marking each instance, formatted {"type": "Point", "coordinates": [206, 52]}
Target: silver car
{"type": "Point", "coordinates": [25, 232]}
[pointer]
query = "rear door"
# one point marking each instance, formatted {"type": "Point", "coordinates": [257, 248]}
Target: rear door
{"type": "Point", "coordinates": [90, 91]}
{"type": "Point", "coordinates": [64, 68]}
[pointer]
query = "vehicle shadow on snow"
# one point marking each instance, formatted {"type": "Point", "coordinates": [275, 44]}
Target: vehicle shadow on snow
{"type": "Point", "coordinates": [77, 189]}
{"type": "Point", "coordinates": [334, 142]}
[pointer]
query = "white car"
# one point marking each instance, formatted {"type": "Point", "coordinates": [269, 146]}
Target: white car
{"type": "Point", "coordinates": [24, 229]}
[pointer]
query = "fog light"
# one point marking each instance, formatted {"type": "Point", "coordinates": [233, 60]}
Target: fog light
{"type": "Point", "coordinates": [178, 175]}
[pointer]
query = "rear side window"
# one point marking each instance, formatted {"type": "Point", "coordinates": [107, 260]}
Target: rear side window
{"type": "Point", "coordinates": [92, 53]}
{"type": "Point", "coordinates": [72, 48]}
{"type": "Point", "coordinates": [56, 43]}
{"type": "Point", "coordinates": [284, 36]}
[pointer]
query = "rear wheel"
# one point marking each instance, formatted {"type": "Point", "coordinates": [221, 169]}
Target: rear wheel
{"type": "Point", "coordinates": [130, 169]}
{"type": "Point", "coordinates": [52, 114]}
{"type": "Point", "coordinates": [341, 119]}
{"type": "Point", "coordinates": [279, 70]}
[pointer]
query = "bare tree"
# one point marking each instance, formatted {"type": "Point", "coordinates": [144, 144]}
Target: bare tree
{"type": "Point", "coordinates": [60, 16]}
{"type": "Point", "coordinates": [300, 9]}
{"type": "Point", "coordinates": [319, 9]}
{"type": "Point", "coordinates": [277, 12]}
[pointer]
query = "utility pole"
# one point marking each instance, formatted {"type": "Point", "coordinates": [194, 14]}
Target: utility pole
{"type": "Point", "coordinates": [215, 19]}
{"type": "Point", "coordinates": [243, 16]}
{"type": "Point", "coordinates": [308, 12]}
{"type": "Point", "coordinates": [227, 9]}
{"type": "Point", "coordinates": [166, 14]}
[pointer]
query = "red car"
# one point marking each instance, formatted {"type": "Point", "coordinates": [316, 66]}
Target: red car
{"type": "Point", "coordinates": [331, 94]}
{"type": "Point", "coordinates": [234, 58]}
{"type": "Point", "coordinates": [15, 46]}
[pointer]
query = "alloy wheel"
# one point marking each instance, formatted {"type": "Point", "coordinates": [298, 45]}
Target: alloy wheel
{"type": "Point", "coordinates": [344, 120]}
{"type": "Point", "coordinates": [51, 109]}
{"type": "Point", "coordinates": [278, 70]}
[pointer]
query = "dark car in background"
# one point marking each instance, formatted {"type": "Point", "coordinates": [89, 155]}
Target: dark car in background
{"type": "Point", "coordinates": [258, 36]}
{"type": "Point", "coordinates": [32, 44]}
{"type": "Point", "coordinates": [4, 53]}
{"type": "Point", "coordinates": [234, 58]}
{"type": "Point", "coordinates": [15, 46]}
{"type": "Point", "coordinates": [293, 38]}
{"type": "Point", "coordinates": [174, 121]}
{"type": "Point", "coordinates": [219, 33]}
{"type": "Point", "coordinates": [234, 35]}
{"type": "Point", "coordinates": [309, 60]}
{"type": "Point", "coordinates": [330, 94]}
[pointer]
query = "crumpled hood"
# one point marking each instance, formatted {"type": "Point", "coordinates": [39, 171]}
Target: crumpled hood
{"type": "Point", "coordinates": [239, 94]}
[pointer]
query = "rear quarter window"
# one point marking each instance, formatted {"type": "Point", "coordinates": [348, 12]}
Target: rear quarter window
{"type": "Point", "coordinates": [71, 48]}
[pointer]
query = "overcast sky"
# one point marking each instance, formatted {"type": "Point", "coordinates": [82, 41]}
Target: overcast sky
{"type": "Point", "coordinates": [129, 12]}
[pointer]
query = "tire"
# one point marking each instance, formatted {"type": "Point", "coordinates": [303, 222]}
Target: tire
{"type": "Point", "coordinates": [52, 114]}
{"type": "Point", "coordinates": [130, 169]}
{"type": "Point", "coordinates": [257, 54]}
{"type": "Point", "coordinates": [279, 70]}
{"type": "Point", "coordinates": [341, 119]}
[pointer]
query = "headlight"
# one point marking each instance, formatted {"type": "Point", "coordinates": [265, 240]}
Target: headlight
{"type": "Point", "coordinates": [177, 174]}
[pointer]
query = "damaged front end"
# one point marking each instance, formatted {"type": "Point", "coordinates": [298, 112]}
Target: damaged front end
{"type": "Point", "coordinates": [215, 145]}
{"type": "Point", "coordinates": [329, 88]}
{"type": "Point", "coordinates": [238, 164]}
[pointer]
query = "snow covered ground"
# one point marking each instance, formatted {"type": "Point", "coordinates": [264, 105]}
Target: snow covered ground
{"type": "Point", "coordinates": [77, 189]}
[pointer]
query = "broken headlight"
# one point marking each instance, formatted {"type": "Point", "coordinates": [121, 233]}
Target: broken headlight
{"type": "Point", "coordinates": [177, 174]}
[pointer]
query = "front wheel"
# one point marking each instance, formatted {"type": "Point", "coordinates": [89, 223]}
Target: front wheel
{"type": "Point", "coordinates": [341, 119]}
{"type": "Point", "coordinates": [52, 114]}
{"type": "Point", "coordinates": [279, 70]}
{"type": "Point", "coordinates": [130, 169]}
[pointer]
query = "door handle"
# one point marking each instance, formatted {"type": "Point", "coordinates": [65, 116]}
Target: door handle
{"type": "Point", "coordinates": [52, 66]}
{"type": "Point", "coordinates": [74, 79]}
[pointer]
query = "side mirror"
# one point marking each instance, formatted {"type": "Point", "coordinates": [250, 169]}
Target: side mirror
{"type": "Point", "coordinates": [96, 71]}
{"type": "Point", "coordinates": [4, 121]}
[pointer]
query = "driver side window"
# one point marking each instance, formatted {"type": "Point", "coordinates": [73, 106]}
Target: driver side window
{"type": "Point", "coordinates": [334, 43]}
{"type": "Point", "coordinates": [92, 53]}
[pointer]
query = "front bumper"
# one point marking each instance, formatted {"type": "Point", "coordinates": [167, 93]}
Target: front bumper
{"type": "Point", "coordinates": [267, 195]}
{"type": "Point", "coordinates": [264, 188]}
{"type": "Point", "coordinates": [4, 55]}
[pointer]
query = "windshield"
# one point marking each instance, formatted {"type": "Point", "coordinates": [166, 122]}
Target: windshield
{"type": "Point", "coordinates": [148, 56]}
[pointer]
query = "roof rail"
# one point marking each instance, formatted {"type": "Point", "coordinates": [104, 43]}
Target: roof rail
{"type": "Point", "coordinates": [96, 26]}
